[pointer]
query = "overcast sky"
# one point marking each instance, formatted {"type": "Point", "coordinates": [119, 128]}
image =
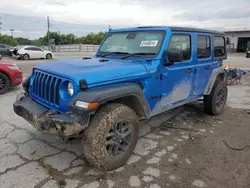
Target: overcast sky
{"type": "Point", "coordinates": [28, 17]}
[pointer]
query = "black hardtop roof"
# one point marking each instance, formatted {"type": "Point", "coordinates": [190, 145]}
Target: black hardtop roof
{"type": "Point", "coordinates": [188, 29]}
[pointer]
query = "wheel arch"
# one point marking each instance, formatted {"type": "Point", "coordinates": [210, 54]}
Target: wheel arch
{"type": "Point", "coordinates": [6, 73]}
{"type": "Point", "coordinates": [129, 94]}
{"type": "Point", "coordinates": [218, 73]}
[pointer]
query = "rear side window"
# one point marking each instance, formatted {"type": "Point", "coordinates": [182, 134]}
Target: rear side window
{"type": "Point", "coordinates": [181, 42]}
{"type": "Point", "coordinates": [219, 46]}
{"type": "Point", "coordinates": [203, 47]}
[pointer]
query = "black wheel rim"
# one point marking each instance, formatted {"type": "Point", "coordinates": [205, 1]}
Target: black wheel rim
{"type": "Point", "coordinates": [118, 138]}
{"type": "Point", "coordinates": [2, 83]}
{"type": "Point", "coordinates": [221, 98]}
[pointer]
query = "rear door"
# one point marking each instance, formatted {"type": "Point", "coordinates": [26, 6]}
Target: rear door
{"type": "Point", "coordinates": [38, 52]}
{"type": "Point", "coordinates": [204, 61]}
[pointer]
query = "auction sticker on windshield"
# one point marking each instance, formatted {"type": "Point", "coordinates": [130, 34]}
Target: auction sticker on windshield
{"type": "Point", "coordinates": [149, 43]}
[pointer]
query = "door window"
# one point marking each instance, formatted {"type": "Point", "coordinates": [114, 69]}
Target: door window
{"type": "Point", "coordinates": [219, 47]}
{"type": "Point", "coordinates": [37, 49]}
{"type": "Point", "coordinates": [203, 47]}
{"type": "Point", "coordinates": [181, 42]}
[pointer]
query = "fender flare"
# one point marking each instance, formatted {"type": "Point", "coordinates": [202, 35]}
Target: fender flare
{"type": "Point", "coordinates": [103, 94]}
{"type": "Point", "coordinates": [216, 72]}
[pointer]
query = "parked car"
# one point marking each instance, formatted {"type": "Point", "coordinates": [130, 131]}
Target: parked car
{"type": "Point", "coordinates": [5, 50]}
{"type": "Point", "coordinates": [10, 76]}
{"type": "Point", "coordinates": [136, 74]}
{"type": "Point", "coordinates": [32, 52]}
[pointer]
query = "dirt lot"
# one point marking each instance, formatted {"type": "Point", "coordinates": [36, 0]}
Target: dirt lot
{"type": "Point", "coordinates": [183, 148]}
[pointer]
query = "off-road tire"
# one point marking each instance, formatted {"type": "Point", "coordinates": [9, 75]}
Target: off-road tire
{"type": "Point", "coordinates": [26, 56]}
{"type": "Point", "coordinates": [48, 56]}
{"type": "Point", "coordinates": [210, 100]}
{"type": "Point", "coordinates": [95, 136]}
{"type": "Point", "coordinates": [6, 80]}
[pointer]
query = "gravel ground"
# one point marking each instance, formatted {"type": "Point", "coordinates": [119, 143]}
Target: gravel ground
{"type": "Point", "coordinates": [179, 149]}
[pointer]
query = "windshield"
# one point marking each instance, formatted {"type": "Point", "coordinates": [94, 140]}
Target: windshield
{"type": "Point", "coordinates": [132, 42]}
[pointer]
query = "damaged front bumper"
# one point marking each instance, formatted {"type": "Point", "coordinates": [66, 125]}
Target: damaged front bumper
{"type": "Point", "coordinates": [68, 124]}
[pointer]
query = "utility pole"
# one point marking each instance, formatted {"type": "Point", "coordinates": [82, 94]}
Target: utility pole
{"type": "Point", "coordinates": [48, 32]}
{"type": "Point", "coordinates": [12, 31]}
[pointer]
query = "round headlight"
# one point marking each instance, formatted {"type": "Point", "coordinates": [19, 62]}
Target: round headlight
{"type": "Point", "coordinates": [70, 89]}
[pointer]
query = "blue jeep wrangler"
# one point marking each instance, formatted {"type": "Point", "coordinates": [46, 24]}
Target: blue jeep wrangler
{"type": "Point", "coordinates": [136, 73]}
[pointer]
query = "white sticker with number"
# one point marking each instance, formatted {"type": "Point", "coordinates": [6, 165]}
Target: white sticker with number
{"type": "Point", "coordinates": [149, 43]}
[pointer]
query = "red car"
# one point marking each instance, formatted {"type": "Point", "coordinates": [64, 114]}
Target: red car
{"type": "Point", "coordinates": [10, 76]}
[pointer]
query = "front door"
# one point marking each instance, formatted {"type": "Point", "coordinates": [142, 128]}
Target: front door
{"type": "Point", "coordinates": [204, 61]}
{"type": "Point", "coordinates": [177, 79]}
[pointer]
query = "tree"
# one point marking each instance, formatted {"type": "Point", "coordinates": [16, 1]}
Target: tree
{"type": "Point", "coordinates": [91, 38]}
{"type": "Point", "coordinates": [23, 41]}
{"type": "Point", "coordinates": [5, 39]}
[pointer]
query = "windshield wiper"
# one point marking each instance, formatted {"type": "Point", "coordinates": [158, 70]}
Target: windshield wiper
{"type": "Point", "coordinates": [111, 53]}
{"type": "Point", "coordinates": [138, 54]}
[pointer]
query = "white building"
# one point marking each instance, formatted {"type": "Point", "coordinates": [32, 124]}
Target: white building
{"type": "Point", "coordinates": [238, 39]}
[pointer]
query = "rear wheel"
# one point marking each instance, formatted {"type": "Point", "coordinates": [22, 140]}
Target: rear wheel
{"type": "Point", "coordinates": [48, 56]}
{"type": "Point", "coordinates": [26, 57]}
{"type": "Point", "coordinates": [111, 136]}
{"type": "Point", "coordinates": [216, 101]}
{"type": "Point", "coordinates": [248, 55]}
{"type": "Point", "coordinates": [4, 83]}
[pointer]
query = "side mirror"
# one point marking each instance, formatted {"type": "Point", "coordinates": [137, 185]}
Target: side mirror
{"type": "Point", "coordinates": [174, 55]}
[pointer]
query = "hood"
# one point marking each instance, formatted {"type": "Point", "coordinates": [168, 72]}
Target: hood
{"type": "Point", "coordinates": [93, 70]}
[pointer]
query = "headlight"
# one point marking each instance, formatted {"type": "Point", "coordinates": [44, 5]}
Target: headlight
{"type": "Point", "coordinates": [13, 67]}
{"type": "Point", "coordinates": [70, 89]}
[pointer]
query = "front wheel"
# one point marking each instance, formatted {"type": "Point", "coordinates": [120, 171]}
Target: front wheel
{"type": "Point", "coordinates": [216, 101]}
{"type": "Point", "coordinates": [4, 83]}
{"type": "Point", "coordinates": [248, 55]}
{"type": "Point", "coordinates": [26, 57]}
{"type": "Point", "coordinates": [111, 136]}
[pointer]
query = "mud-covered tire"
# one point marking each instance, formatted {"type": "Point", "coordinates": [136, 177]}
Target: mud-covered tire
{"type": "Point", "coordinates": [211, 103]}
{"type": "Point", "coordinates": [95, 137]}
{"type": "Point", "coordinates": [4, 83]}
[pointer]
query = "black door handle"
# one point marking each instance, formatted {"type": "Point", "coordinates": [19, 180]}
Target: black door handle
{"type": "Point", "coordinates": [190, 70]}
{"type": "Point", "coordinates": [208, 67]}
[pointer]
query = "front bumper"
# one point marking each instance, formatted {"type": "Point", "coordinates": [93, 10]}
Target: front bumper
{"type": "Point", "coordinates": [17, 56]}
{"type": "Point", "coordinates": [49, 121]}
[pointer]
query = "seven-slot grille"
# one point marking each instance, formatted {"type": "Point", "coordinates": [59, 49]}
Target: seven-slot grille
{"type": "Point", "coordinates": [46, 87]}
